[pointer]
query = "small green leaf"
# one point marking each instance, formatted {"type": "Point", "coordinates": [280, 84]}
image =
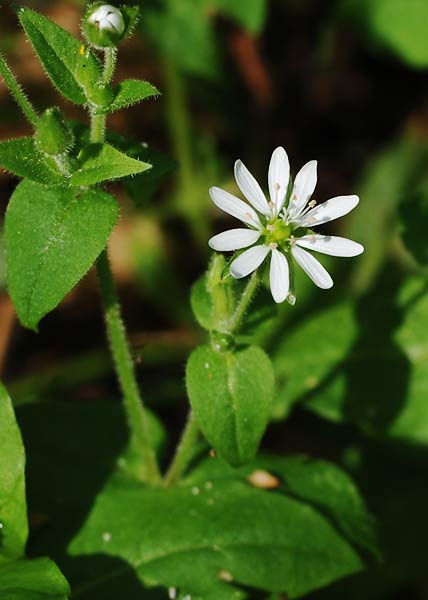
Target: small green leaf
{"type": "Point", "coordinates": [198, 530]}
{"type": "Point", "coordinates": [23, 158]}
{"type": "Point", "coordinates": [413, 217]}
{"type": "Point", "coordinates": [130, 92]}
{"type": "Point", "coordinates": [52, 239]}
{"type": "Point", "coordinates": [73, 69]}
{"type": "Point", "coordinates": [38, 579]}
{"type": "Point", "coordinates": [231, 394]}
{"type": "Point", "coordinates": [102, 162]}
{"type": "Point", "coordinates": [13, 509]}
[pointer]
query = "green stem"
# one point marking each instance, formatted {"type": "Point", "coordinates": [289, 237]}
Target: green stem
{"type": "Point", "coordinates": [244, 302]}
{"type": "Point", "coordinates": [137, 417]}
{"type": "Point", "coordinates": [184, 452]}
{"type": "Point", "coordinates": [147, 467]}
{"type": "Point", "coordinates": [110, 59]}
{"type": "Point", "coordinates": [17, 92]}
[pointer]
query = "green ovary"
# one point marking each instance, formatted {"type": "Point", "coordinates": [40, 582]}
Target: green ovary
{"type": "Point", "coordinates": [277, 232]}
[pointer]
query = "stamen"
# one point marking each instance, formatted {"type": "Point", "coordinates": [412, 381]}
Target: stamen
{"type": "Point", "coordinates": [312, 203]}
{"type": "Point", "coordinates": [270, 227]}
{"type": "Point", "coordinates": [273, 245]}
{"type": "Point", "coordinates": [277, 187]}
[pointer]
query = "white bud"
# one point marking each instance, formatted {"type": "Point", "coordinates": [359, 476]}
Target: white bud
{"type": "Point", "coordinates": [108, 18]}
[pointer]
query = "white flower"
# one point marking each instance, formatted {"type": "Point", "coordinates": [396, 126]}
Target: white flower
{"type": "Point", "coordinates": [108, 18]}
{"type": "Point", "coordinates": [282, 229]}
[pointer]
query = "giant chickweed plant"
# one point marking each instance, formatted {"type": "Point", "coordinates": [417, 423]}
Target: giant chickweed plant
{"type": "Point", "coordinates": [222, 520]}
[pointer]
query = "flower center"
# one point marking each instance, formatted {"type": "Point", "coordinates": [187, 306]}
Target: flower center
{"type": "Point", "coordinates": [277, 232]}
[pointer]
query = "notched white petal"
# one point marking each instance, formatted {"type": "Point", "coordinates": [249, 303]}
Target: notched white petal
{"type": "Point", "coordinates": [330, 244]}
{"type": "Point", "coordinates": [278, 177]}
{"type": "Point", "coordinates": [248, 261]}
{"type": "Point", "coordinates": [329, 210]}
{"type": "Point", "coordinates": [249, 186]}
{"type": "Point", "coordinates": [235, 207]}
{"type": "Point", "coordinates": [234, 239]}
{"type": "Point", "coordinates": [312, 267]}
{"type": "Point", "coordinates": [279, 276]}
{"type": "Point", "coordinates": [303, 188]}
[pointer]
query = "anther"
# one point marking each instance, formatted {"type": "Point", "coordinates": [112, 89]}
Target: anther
{"type": "Point", "coordinates": [270, 227]}
{"type": "Point", "coordinates": [273, 245]}
{"type": "Point", "coordinates": [312, 203]}
{"type": "Point", "coordinates": [277, 187]}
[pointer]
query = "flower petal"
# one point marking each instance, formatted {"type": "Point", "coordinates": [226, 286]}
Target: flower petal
{"type": "Point", "coordinates": [250, 188]}
{"type": "Point", "coordinates": [234, 239]}
{"type": "Point", "coordinates": [303, 188]}
{"type": "Point", "coordinates": [312, 268]}
{"type": "Point", "coordinates": [279, 276]}
{"type": "Point", "coordinates": [249, 261]}
{"type": "Point", "coordinates": [330, 244]}
{"type": "Point", "coordinates": [330, 210]}
{"type": "Point", "coordinates": [279, 175]}
{"type": "Point", "coordinates": [234, 206]}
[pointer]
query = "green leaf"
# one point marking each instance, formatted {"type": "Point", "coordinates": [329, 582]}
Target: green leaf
{"type": "Point", "coordinates": [257, 538]}
{"type": "Point", "coordinates": [400, 26]}
{"type": "Point", "coordinates": [249, 13]}
{"type": "Point", "coordinates": [309, 353]}
{"type": "Point", "coordinates": [231, 394]}
{"type": "Point", "coordinates": [23, 158]}
{"type": "Point", "coordinates": [73, 72]}
{"type": "Point", "coordinates": [413, 218]}
{"type": "Point", "coordinates": [102, 162]}
{"type": "Point", "coordinates": [52, 239]}
{"type": "Point", "coordinates": [13, 509]}
{"type": "Point", "coordinates": [38, 579]}
{"type": "Point", "coordinates": [131, 91]}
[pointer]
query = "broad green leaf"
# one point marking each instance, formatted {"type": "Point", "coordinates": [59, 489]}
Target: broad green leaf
{"type": "Point", "coordinates": [188, 537]}
{"type": "Point", "coordinates": [131, 91]}
{"type": "Point", "coordinates": [38, 579]}
{"type": "Point", "coordinates": [102, 162]}
{"type": "Point", "coordinates": [400, 26]}
{"type": "Point", "coordinates": [309, 354]}
{"type": "Point", "coordinates": [176, 28]}
{"type": "Point", "coordinates": [100, 444]}
{"type": "Point", "coordinates": [324, 485]}
{"type": "Point", "coordinates": [23, 158]}
{"type": "Point", "coordinates": [231, 393]}
{"type": "Point", "coordinates": [13, 510]}
{"type": "Point", "coordinates": [249, 13]}
{"type": "Point", "coordinates": [413, 218]}
{"type": "Point", "coordinates": [73, 69]}
{"type": "Point", "coordinates": [52, 239]}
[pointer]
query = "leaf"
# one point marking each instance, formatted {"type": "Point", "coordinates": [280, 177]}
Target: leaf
{"type": "Point", "coordinates": [309, 353]}
{"type": "Point", "coordinates": [400, 27]}
{"type": "Point", "coordinates": [102, 162]}
{"type": "Point", "coordinates": [72, 72]}
{"type": "Point", "coordinates": [231, 394]}
{"type": "Point", "coordinates": [260, 539]}
{"type": "Point", "coordinates": [324, 485]}
{"type": "Point", "coordinates": [13, 509]}
{"type": "Point", "coordinates": [249, 13]}
{"type": "Point", "coordinates": [413, 216]}
{"type": "Point", "coordinates": [38, 579]}
{"type": "Point", "coordinates": [23, 158]}
{"type": "Point", "coordinates": [131, 91]}
{"type": "Point", "coordinates": [52, 239]}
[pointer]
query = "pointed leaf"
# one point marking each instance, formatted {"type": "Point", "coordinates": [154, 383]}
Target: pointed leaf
{"type": "Point", "coordinates": [23, 158]}
{"type": "Point", "coordinates": [52, 239]}
{"type": "Point", "coordinates": [196, 532]}
{"type": "Point", "coordinates": [13, 509]}
{"type": "Point", "coordinates": [71, 69]}
{"type": "Point", "coordinates": [231, 394]}
{"type": "Point", "coordinates": [38, 579]}
{"type": "Point", "coordinates": [130, 92]}
{"type": "Point", "coordinates": [102, 162]}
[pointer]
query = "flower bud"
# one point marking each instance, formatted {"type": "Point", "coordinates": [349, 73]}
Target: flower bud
{"type": "Point", "coordinates": [53, 134]}
{"type": "Point", "coordinates": [104, 25]}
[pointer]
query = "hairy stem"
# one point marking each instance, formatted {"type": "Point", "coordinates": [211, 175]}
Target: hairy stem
{"type": "Point", "coordinates": [17, 92]}
{"type": "Point", "coordinates": [184, 452]}
{"type": "Point", "coordinates": [147, 467]}
{"type": "Point", "coordinates": [137, 417]}
{"type": "Point", "coordinates": [244, 302]}
{"type": "Point", "coordinates": [110, 59]}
